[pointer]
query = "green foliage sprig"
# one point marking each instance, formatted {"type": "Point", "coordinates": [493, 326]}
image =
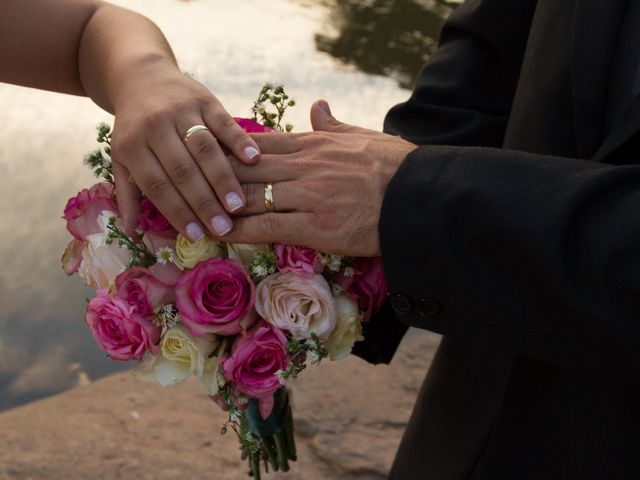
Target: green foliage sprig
{"type": "Point", "coordinates": [100, 159]}
{"type": "Point", "coordinates": [270, 106]}
{"type": "Point", "coordinates": [140, 255]}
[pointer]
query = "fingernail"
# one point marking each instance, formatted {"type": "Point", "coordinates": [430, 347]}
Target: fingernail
{"type": "Point", "coordinates": [251, 152]}
{"type": "Point", "coordinates": [324, 106]}
{"type": "Point", "coordinates": [233, 201]}
{"type": "Point", "coordinates": [220, 225]}
{"type": "Point", "coordinates": [194, 232]}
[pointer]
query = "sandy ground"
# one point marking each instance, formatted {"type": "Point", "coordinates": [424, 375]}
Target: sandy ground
{"type": "Point", "coordinates": [349, 420]}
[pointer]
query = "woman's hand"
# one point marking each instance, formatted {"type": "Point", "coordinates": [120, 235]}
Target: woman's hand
{"type": "Point", "coordinates": [328, 187]}
{"type": "Point", "coordinates": [123, 62]}
{"type": "Point", "coordinates": [190, 181]}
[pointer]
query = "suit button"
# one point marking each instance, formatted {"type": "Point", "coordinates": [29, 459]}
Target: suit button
{"type": "Point", "coordinates": [401, 305]}
{"type": "Point", "coordinates": [429, 307]}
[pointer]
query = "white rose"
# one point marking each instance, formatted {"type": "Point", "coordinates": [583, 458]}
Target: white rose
{"type": "Point", "coordinates": [102, 263]}
{"type": "Point", "coordinates": [182, 355]}
{"type": "Point", "coordinates": [298, 305]}
{"type": "Point", "coordinates": [348, 329]}
{"type": "Point", "coordinates": [189, 253]}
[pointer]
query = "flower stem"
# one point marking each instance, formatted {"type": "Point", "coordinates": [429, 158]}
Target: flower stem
{"type": "Point", "coordinates": [281, 447]}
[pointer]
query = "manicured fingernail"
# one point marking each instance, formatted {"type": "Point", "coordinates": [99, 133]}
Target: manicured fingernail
{"type": "Point", "coordinates": [220, 225]}
{"type": "Point", "coordinates": [194, 232]}
{"type": "Point", "coordinates": [233, 201]}
{"type": "Point", "coordinates": [251, 152]}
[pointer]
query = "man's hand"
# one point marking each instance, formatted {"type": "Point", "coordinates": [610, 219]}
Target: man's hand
{"type": "Point", "coordinates": [328, 186]}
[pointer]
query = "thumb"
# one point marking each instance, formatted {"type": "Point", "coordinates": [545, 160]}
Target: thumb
{"type": "Point", "coordinates": [322, 120]}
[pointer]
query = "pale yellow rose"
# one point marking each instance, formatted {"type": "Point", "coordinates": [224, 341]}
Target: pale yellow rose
{"type": "Point", "coordinates": [189, 253]}
{"type": "Point", "coordinates": [182, 355]}
{"type": "Point", "coordinates": [348, 329]}
{"type": "Point", "coordinates": [245, 252]}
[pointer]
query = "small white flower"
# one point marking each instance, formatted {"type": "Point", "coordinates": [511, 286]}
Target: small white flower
{"type": "Point", "coordinates": [349, 272]}
{"type": "Point", "coordinates": [220, 380]}
{"type": "Point", "coordinates": [260, 271]}
{"type": "Point", "coordinates": [168, 316]}
{"type": "Point", "coordinates": [282, 377]}
{"type": "Point", "coordinates": [332, 262]}
{"type": "Point", "coordinates": [164, 255]}
{"type": "Point", "coordinates": [314, 358]}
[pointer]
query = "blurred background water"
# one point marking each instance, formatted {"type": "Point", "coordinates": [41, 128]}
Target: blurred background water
{"type": "Point", "coordinates": [360, 55]}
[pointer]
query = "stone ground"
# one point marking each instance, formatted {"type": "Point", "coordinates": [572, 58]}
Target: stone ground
{"type": "Point", "coordinates": [349, 420]}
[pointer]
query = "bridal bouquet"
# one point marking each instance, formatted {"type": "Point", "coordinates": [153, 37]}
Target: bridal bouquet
{"type": "Point", "coordinates": [242, 319]}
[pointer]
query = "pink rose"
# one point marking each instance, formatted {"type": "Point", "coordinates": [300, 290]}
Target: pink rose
{"type": "Point", "coordinates": [367, 285]}
{"type": "Point", "coordinates": [250, 126]}
{"type": "Point", "coordinates": [301, 260]}
{"type": "Point", "coordinates": [83, 210]}
{"type": "Point", "coordinates": [152, 221]}
{"type": "Point", "coordinates": [120, 329]}
{"type": "Point", "coordinates": [298, 305]}
{"type": "Point", "coordinates": [216, 296]}
{"type": "Point", "coordinates": [254, 360]}
{"type": "Point", "coordinates": [147, 289]}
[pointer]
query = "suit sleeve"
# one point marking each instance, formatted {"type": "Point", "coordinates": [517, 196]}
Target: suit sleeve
{"type": "Point", "coordinates": [462, 96]}
{"type": "Point", "coordinates": [532, 253]}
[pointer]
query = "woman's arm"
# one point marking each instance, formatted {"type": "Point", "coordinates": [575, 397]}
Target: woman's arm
{"type": "Point", "coordinates": [123, 62]}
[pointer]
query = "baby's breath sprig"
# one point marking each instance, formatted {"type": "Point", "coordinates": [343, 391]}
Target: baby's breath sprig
{"type": "Point", "coordinates": [100, 159]}
{"type": "Point", "coordinates": [168, 316]}
{"type": "Point", "coordinates": [299, 352]}
{"type": "Point", "coordinates": [332, 262]}
{"type": "Point", "coordinates": [140, 255]}
{"type": "Point", "coordinates": [264, 264]}
{"type": "Point", "coordinates": [272, 96]}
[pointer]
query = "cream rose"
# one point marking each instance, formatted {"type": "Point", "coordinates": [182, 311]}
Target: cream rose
{"type": "Point", "coordinates": [102, 263]}
{"type": "Point", "coordinates": [348, 329]}
{"type": "Point", "coordinates": [182, 355]}
{"type": "Point", "coordinates": [189, 253]}
{"type": "Point", "coordinates": [298, 305]}
{"type": "Point", "coordinates": [245, 252]}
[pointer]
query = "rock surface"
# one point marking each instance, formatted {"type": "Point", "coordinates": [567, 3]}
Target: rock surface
{"type": "Point", "coordinates": [349, 420]}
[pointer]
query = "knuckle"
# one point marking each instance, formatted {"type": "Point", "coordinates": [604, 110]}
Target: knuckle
{"type": "Point", "coordinates": [206, 147]}
{"type": "Point", "coordinates": [270, 224]}
{"type": "Point", "coordinates": [223, 179]}
{"type": "Point", "coordinates": [207, 204]}
{"type": "Point", "coordinates": [181, 212]}
{"type": "Point", "coordinates": [222, 122]}
{"type": "Point", "coordinates": [182, 173]}
{"type": "Point", "coordinates": [155, 187]}
{"type": "Point", "coordinates": [155, 119]}
{"type": "Point", "coordinates": [122, 147]}
{"type": "Point", "coordinates": [250, 193]}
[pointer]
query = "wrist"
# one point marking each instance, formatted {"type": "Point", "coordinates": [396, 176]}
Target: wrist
{"type": "Point", "coordinates": [139, 76]}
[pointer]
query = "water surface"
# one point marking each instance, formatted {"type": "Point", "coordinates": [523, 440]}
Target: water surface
{"type": "Point", "coordinates": [359, 55]}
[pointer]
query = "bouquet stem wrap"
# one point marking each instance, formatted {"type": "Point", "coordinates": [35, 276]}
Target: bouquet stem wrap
{"type": "Point", "coordinates": [275, 444]}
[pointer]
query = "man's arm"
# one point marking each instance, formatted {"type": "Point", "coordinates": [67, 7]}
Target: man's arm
{"type": "Point", "coordinates": [464, 93]}
{"type": "Point", "coordinates": [462, 96]}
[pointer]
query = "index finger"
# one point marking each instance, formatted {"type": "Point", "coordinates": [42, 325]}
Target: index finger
{"type": "Point", "coordinates": [293, 228]}
{"type": "Point", "coordinates": [277, 143]}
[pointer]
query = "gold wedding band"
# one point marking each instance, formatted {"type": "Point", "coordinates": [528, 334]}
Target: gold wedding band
{"type": "Point", "coordinates": [268, 198]}
{"type": "Point", "coordinates": [192, 130]}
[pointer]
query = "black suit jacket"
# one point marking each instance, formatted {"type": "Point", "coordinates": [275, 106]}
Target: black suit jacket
{"type": "Point", "coordinates": [514, 231]}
